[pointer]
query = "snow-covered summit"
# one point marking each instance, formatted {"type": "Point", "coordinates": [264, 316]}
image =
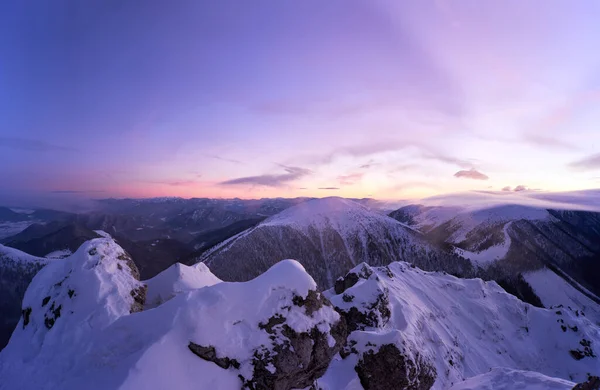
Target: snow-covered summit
{"type": "Point", "coordinates": [81, 329]}
{"type": "Point", "coordinates": [332, 211]}
{"type": "Point", "coordinates": [73, 297]}
{"type": "Point", "coordinates": [177, 279]}
{"type": "Point", "coordinates": [328, 236]}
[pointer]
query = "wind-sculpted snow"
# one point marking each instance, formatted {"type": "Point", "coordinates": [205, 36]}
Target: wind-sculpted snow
{"type": "Point", "coordinates": [81, 328]}
{"type": "Point", "coordinates": [507, 379]}
{"type": "Point", "coordinates": [328, 236]}
{"type": "Point", "coordinates": [176, 279]}
{"type": "Point", "coordinates": [448, 329]}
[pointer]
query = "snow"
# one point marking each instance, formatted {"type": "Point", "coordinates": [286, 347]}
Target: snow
{"type": "Point", "coordinates": [474, 324]}
{"type": "Point", "coordinates": [8, 254]}
{"type": "Point", "coordinates": [344, 214]}
{"type": "Point", "coordinates": [507, 379]}
{"type": "Point", "coordinates": [60, 254]}
{"type": "Point", "coordinates": [588, 200]}
{"type": "Point", "coordinates": [177, 279]}
{"type": "Point", "coordinates": [468, 221]}
{"type": "Point", "coordinates": [554, 291]}
{"type": "Point", "coordinates": [491, 254]}
{"type": "Point", "coordinates": [101, 293]}
{"type": "Point", "coordinates": [102, 233]}
{"type": "Point", "coordinates": [97, 344]}
{"type": "Point", "coordinates": [8, 229]}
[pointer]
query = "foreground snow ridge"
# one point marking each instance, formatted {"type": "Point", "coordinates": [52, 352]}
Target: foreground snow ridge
{"type": "Point", "coordinates": [88, 322]}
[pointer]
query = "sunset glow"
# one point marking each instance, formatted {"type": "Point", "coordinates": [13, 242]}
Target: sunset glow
{"type": "Point", "coordinates": [385, 99]}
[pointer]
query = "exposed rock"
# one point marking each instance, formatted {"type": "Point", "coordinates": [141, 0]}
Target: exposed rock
{"type": "Point", "coordinates": [593, 383]}
{"type": "Point", "coordinates": [139, 298]}
{"type": "Point", "coordinates": [345, 282]}
{"type": "Point", "coordinates": [26, 314]}
{"type": "Point", "coordinates": [130, 263]}
{"type": "Point", "coordinates": [390, 369]}
{"type": "Point", "coordinates": [363, 310]}
{"type": "Point", "coordinates": [209, 354]}
{"type": "Point", "coordinates": [298, 360]}
{"type": "Point", "coordinates": [294, 359]}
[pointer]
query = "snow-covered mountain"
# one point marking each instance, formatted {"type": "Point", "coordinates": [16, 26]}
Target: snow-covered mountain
{"type": "Point", "coordinates": [17, 269]}
{"type": "Point", "coordinates": [422, 329]}
{"type": "Point", "coordinates": [81, 328]}
{"type": "Point", "coordinates": [328, 236]}
{"type": "Point", "coordinates": [509, 240]}
{"type": "Point", "coordinates": [86, 323]}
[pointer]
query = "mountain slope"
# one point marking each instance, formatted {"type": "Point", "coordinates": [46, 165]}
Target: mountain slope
{"type": "Point", "coordinates": [42, 239]}
{"type": "Point", "coordinates": [81, 329]}
{"type": "Point", "coordinates": [17, 269]}
{"type": "Point", "coordinates": [382, 327]}
{"type": "Point", "coordinates": [511, 239]}
{"type": "Point", "coordinates": [428, 329]}
{"type": "Point", "coordinates": [329, 236]}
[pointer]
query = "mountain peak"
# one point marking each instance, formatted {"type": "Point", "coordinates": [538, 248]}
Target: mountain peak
{"type": "Point", "coordinates": [321, 211]}
{"type": "Point", "coordinates": [86, 291]}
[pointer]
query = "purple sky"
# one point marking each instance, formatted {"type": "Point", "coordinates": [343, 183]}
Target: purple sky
{"type": "Point", "coordinates": [391, 99]}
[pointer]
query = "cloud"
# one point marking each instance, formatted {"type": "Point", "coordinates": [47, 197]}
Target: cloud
{"type": "Point", "coordinates": [550, 142]}
{"type": "Point", "coordinates": [329, 188]}
{"type": "Point", "coordinates": [520, 188]}
{"type": "Point", "coordinates": [507, 188]}
{"type": "Point", "coordinates": [350, 179]}
{"type": "Point", "coordinates": [217, 157]}
{"type": "Point", "coordinates": [432, 155]}
{"type": "Point", "coordinates": [369, 164]}
{"type": "Point", "coordinates": [363, 150]}
{"type": "Point", "coordinates": [471, 174]}
{"type": "Point", "coordinates": [75, 191]}
{"type": "Point", "coordinates": [32, 145]}
{"type": "Point", "coordinates": [184, 183]}
{"type": "Point", "coordinates": [292, 173]}
{"type": "Point", "coordinates": [587, 163]}
{"type": "Point", "coordinates": [173, 183]}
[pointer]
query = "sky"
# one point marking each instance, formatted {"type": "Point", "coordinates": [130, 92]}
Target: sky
{"type": "Point", "coordinates": [385, 99]}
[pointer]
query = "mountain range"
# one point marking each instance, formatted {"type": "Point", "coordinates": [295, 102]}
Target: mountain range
{"type": "Point", "coordinates": [86, 323]}
{"type": "Point", "coordinates": [366, 261]}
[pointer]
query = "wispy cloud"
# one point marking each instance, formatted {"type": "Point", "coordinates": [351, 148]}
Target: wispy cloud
{"type": "Point", "coordinates": [520, 188]}
{"type": "Point", "coordinates": [471, 174]}
{"type": "Point", "coordinates": [32, 145]}
{"type": "Point", "coordinates": [587, 163]}
{"type": "Point", "coordinates": [549, 142]}
{"type": "Point", "coordinates": [437, 156]}
{"type": "Point", "coordinates": [425, 151]}
{"type": "Point", "coordinates": [329, 188]}
{"type": "Point", "coordinates": [507, 188]}
{"type": "Point", "coordinates": [277, 180]}
{"type": "Point", "coordinates": [75, 191]}
{"type": "Point", "coordinates": [231, 160]}
{"type": "Point", "coordinates": [369, 164]}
